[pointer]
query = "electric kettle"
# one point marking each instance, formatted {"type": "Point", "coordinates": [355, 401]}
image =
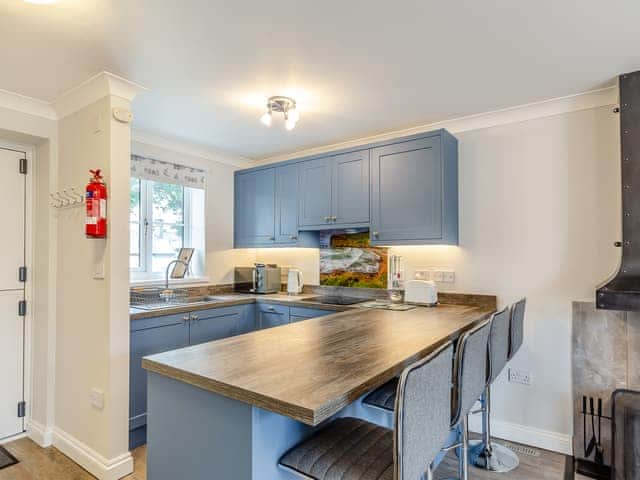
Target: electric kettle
{"type": "Point", "coordinates": [294, 281]}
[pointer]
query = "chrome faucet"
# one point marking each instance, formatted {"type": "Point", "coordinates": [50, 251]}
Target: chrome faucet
{"type": "Point", "coordinates": [166, 293]}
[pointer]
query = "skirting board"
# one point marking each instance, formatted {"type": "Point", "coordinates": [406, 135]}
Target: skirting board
{"type": "Point", "coordinates": [534, 437]}
{"type": "Point", "coordinates": [39, 433]}
{"type": "Point", "coordinates": [90, 460]}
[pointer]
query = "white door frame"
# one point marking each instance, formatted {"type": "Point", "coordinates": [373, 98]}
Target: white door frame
{"type": "Point", "coordinates": [29, 293]}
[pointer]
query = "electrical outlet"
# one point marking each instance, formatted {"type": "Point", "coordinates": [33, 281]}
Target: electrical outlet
{"type": "Point", "coordinates": [422, 274]}
{"type": "Point", "coordinates": [97, 398]}
{"type": "Point", "coordinates": [448, 276]}
{"type": "Point", "coordinates": [522, 377]}
{"type": "Point", "coordinates": [438, 275]}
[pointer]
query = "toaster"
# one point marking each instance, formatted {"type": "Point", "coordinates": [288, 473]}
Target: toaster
{"type": "Point", "coordinates": [421, 292]}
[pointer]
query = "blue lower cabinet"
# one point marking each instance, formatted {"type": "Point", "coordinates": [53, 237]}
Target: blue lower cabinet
{"type": "Point", "coordinates": [149, 336]}
{"type": "Point", "coordinates": [170, 332]}
{"type": "Point", "coordinates": [271, 315]}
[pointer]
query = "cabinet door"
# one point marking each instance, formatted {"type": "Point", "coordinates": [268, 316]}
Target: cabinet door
{"type": "Point", "coordinates": [254, 209]}
{"type": "Point", "coordinates": [172, 333]}
{"type": "Point", "coordinates": [287, 204]}
{"type": "Point", "coordinates": [406, 191]}
{"type": "Point", "coordinates": [350, 188]}
{"type": "Point", "coordinates": [315, 192]}
{"type": "Point", "coordinates": [214, 324]}
{"type": "Point", "coordinates": [247, 319]}
{"type": "Point", "coordinates": [302, 313]}
{"type": "Point", "coordinates": [272, 315]}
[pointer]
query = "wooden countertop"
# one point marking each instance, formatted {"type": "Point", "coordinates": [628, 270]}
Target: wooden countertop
{"type": "Point", "coordinates": [310, 370]}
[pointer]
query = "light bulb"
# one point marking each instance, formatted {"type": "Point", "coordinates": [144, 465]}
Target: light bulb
{"type": "Point", "coordinates": [293, 114]}
{"type": "Point", "coordinates": [290, 123]}
{"type": "Point", "coordinates": [266, 119]}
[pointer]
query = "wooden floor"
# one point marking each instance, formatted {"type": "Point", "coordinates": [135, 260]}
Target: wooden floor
{"type": "Point", "coordinates": [49, 464]}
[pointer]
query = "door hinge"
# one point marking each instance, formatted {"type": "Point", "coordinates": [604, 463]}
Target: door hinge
{"type": "Point", "coordinates": [22, 274]}
{"type": "Point", "coordinates": [22, 408]}
{"type": "Point", "coordinates": [23, 166]}
{"type": "Point", "coordinates": [22, 308]}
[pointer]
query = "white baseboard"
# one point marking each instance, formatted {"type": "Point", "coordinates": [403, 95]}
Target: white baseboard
{"type": "Point", "coordinates": [90, 460]}
{"type": "Point", "coordinates": [40, 434]}
{"type": "Point", "coordinates": [535, 437]}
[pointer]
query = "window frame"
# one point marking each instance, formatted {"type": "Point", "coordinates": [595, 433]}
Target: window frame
{"type": "Point", "coordinates": [146, 226]}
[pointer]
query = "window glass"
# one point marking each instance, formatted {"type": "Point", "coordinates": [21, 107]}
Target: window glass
{"type": "Point", "coordinates": [168, 224]}
{"type": "Point", "coordinates": [134, 223]}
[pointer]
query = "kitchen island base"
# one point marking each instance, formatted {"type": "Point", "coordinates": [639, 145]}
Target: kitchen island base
{"type": "Point", "coordinates": [196, 434]}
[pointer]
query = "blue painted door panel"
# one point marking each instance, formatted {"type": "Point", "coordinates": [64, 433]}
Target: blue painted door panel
{"type": "Point", "coordinates": [350, 188]}
{"type": "Point", "coordinates": [407, 191]}
{"type": "Point", "coordinates": [287, 204]}
{"type": "Point", "coordinates": [172, 333]}
{"type": "Point", "coordinates": [214, 324]}
{"type": "Point", "coordinates": [254, 209]}
{"type": "Point", "coordinates": [315, 192]}
{"type": "Point", "coordinates": [272, 315]}
{"type": "Point", "coordinates": [247, 319]}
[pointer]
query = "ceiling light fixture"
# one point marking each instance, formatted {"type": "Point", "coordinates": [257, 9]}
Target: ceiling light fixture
{"type": "Point", "coordinates": [284, 105]}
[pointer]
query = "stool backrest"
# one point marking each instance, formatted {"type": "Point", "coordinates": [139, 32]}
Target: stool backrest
{"type": "Point", "coordinates": [517, 327]}
{"type": "Point", "coordinates": [499, 343]}
{"type": "Point", "coordinates": [423, 410]}
{"type": "Point", "coordinates": [470, 370]}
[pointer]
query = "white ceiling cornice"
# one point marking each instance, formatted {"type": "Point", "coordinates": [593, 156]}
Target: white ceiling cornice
{"type": "Point", "coordinates": [28, 105]}
{"type": "Point", "coordinates": [522, 113]}
{"type": "Point", "coordinates": [187, 148]}
{"type": "Point", "coordinates": [92, 90]}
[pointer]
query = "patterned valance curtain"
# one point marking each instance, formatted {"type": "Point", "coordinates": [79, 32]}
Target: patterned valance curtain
{"type": "Point", "coordinates": [166, 172]}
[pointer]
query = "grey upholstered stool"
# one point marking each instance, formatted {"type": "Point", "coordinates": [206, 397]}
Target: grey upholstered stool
{"type": "Point", "coordinates": [470, 377]}
{"type": "Point", "coordinates": [350, 448]}
{"type": "Point", "coordinates": [516, 331]}
{"type": "Point", "coordinates": [485, 453]}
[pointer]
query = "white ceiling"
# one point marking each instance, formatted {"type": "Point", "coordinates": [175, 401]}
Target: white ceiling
{"type": "Point", "coordinates": [357, 68]}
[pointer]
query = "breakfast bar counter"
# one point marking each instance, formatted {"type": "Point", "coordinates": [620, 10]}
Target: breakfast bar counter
{"type": "Point", "coordinates": [231, 408]}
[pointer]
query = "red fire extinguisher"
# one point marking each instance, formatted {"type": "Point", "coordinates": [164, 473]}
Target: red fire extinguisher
{"type": "Point", "coordinates": [96, 221]}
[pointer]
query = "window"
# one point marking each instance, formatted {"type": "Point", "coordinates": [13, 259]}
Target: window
{"type": "Point", "coordinates": [163, 218]}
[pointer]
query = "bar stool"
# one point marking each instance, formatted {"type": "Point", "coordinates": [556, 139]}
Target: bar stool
{"type": "Point", "coordinates": [505, 340]}
{"type": "Point", "coordinates": [350, 448]}
{"type": "Point", "coordinates": [469, 380]}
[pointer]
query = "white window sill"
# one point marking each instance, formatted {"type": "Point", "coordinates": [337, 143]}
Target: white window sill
{"type": "Point", "coordinates": [147, 282]}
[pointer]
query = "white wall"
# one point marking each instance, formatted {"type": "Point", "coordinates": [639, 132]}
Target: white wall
{"type": "Point", "coordinates": [220, 257]}
{"type": "Point", "coordinates": [539, 212]}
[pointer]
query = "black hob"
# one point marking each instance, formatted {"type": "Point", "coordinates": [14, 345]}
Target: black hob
{"type": "Point", "coordinates": [335, 300]}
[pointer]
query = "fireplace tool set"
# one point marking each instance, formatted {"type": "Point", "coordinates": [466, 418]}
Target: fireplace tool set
{"type": "Point", "coordinates": [595, 468]}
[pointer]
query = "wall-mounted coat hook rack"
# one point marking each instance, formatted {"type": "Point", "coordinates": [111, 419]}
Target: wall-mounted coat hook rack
{"type": "Point", "coordinates": [67, 197]}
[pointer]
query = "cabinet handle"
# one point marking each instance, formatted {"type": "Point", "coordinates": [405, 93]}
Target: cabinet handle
{"type": "Point", "coordinates": [195, 318]}
{"type": "Point", "coordinates": [375, 234]}
{"type": "Point", "coordinates": [327, 218]}
{"type": "Point", "coordinates": [185, 319]}
{"type": "Point", "coordinates": [293, 237]}
{"type": "Point", "coordinates": [271, 309]}
{"type": "Point", "coordinates": [334, 218]}
{"type": "Point", "coordinates": [272, 239]}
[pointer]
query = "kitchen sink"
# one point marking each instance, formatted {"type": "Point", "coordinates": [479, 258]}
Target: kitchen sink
{"type": "Point", "coordinates": [179, 302]}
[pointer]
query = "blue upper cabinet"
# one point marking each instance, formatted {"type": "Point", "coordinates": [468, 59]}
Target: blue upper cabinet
{"type": "Point", "coordinates": [350, 188]}
{"type": "Point", "coordinates": [315, 192]}
{"type": "Point", "coordinates": [255, 207]}
{"type": "Point", "coordinates": [405, 191]}
{"type": "Point", "coordinates": [287, 204]}
{"type": "Point", "coordinates": [334, 191]}
{"type": "Point", "coordinates": [414, 192]}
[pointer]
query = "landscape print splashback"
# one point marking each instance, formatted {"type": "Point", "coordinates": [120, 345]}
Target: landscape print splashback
{"type": "Point", "coordinates": [348, 260]}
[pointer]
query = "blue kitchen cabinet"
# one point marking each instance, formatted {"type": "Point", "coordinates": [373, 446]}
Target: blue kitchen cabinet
{"type": "Point", "coordinates": [215, 323]}
{"type": "Point", "coordinates": [286, 218]}
{"type": "Point", "coordinates": [271, 315]}
{"type": "Point", "coordinates": [149, 336]}
{"type": "Point", "coordinates": [334, 191]}
{"type": "Point", "coordinates": [170, 332]}
{"type": "Point", "coordinates": [350, 188]}
{"type": "Point", "coordinates": [414, 192]}
{"type": "Point", "coordinates": [255, 208]}
{"type": "Point", "coordinates": [315, 192]}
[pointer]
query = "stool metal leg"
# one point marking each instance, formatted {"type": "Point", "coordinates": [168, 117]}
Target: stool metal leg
{"type": "Point", "coordinates": [487, 454]}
